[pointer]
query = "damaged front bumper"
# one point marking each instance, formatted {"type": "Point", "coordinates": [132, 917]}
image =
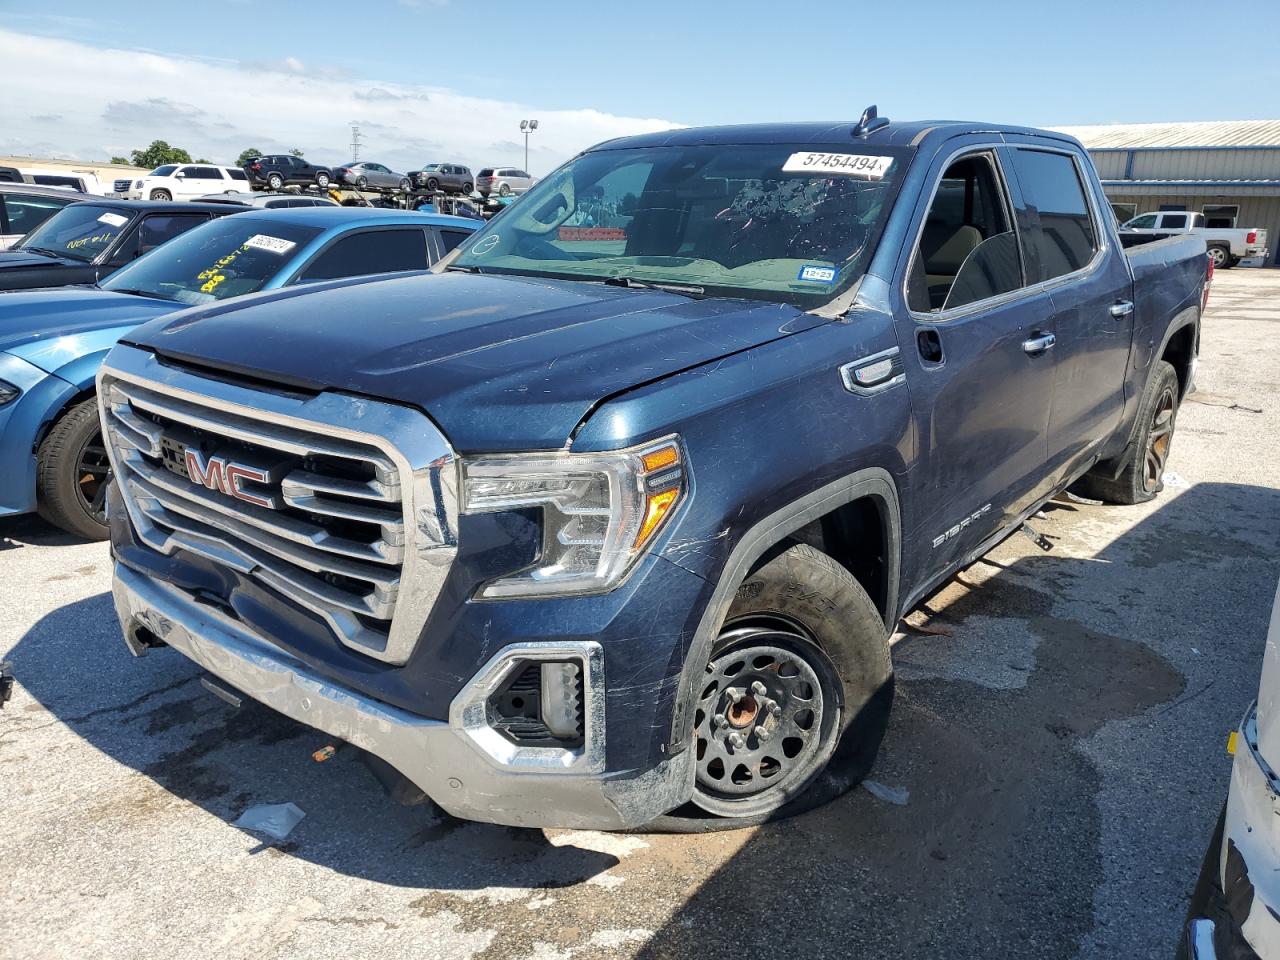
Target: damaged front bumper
{"type": "Point", "coordinates": [463, 765]}
{"type": "Point", "coordinates": [1241, 919]}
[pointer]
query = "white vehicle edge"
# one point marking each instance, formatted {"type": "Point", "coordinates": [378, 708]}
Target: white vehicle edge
{"type": "Point", "coordinates": [1227, 245]}
{"type": "Point", "coordinates": [182, 181]}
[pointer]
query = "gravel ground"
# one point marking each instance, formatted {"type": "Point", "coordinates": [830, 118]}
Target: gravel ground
{"type": "Point", "coordinates": [1059, 731]}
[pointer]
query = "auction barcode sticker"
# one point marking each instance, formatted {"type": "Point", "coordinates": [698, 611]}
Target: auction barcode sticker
{"type": "Point", "coordinates": [260, 241]}
{"type": "Point", "coordinates": [113, 220]}
{"type": "Point", "coordinates": [841, 164]}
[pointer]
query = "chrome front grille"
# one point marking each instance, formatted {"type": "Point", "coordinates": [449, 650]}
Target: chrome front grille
{"type": "Point", "coordinates": [121, 186]}
{"type": "Point", "coordinates": [343, 505]}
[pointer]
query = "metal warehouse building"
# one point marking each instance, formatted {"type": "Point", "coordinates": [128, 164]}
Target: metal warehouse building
{"type": "Point", "coordinates": [1229, 170]}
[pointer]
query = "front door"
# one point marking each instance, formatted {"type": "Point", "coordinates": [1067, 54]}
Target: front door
{"type": "Point", "coordinates": [982, 351]}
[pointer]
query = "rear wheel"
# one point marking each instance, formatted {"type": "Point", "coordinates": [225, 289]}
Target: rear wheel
{"type": "Point", "coordinates": [1142, 476]}
{"type": "Point", "coordinates": [362, 182]}
{"type": "Point", "coordinates": [322, 181]}
{"type": "Point", "coordinates": [405, 185]}
{"type": "Point", "coordinates": [275, 181]}
{"type": "Point", "coordinates": [72, 473]}
{"type": "Point", "coordinates": [466, 188]}
{"type": "Point", "coordinates": [796, 695]}
{"type": "Point", "coordinates": [1221, 255]}
{"type": "Point", "coordinates": [161, 195]}
{"type": "Point", "coordinates": [504, 190]}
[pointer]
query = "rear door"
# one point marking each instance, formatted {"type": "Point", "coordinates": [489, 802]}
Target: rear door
{"type": "Point", "coordinates": [369, 251]}
{"type": "Point", "coordinates": [1068, 251]}
{"type": "Point", "coordinates": [977, 345]}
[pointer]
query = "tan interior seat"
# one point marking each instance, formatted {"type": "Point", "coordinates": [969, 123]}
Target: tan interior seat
{"type": "Point", "coordinates": [945, 249]}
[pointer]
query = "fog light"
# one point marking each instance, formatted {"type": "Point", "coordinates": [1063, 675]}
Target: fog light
{"type": "Point", "coordinates": [561, 699]}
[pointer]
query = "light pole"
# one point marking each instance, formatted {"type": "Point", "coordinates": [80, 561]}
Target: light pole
{"type": "Point", "coordinates": [528, 126]}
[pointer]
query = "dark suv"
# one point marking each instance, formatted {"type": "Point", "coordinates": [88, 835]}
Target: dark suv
{"type": "Point", "coordinates": [449, 177]}
{"type": "Point", "coordinates": [277, 170]}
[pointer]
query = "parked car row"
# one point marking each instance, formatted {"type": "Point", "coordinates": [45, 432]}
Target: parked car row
{"type": "Point", "coordinates": [108, 265]}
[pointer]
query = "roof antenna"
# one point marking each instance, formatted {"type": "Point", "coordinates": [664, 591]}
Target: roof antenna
{"type": "Point", "coordinates": [870, 122]}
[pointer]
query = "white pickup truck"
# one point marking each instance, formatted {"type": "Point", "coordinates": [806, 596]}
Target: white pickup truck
{"type": "Point", "coordinates": [1227, 245]}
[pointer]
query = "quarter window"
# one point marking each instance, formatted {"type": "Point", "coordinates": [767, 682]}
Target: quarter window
{"type": "Point", "coordinates": [374, 251]}
{"type": "Point", "coordinates": [968, 250]}
{"type": "Point", "coordinates": [1174, 221]}
{"type": "Point", "coordinates": [1065, 240]}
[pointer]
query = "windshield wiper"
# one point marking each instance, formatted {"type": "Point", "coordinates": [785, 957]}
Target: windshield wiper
{"type": "Point", "coordinates": [685, 289]}
{"type": "Point", "coordinates": [42, 251]}
{"type": "Point", "coordinates": [139, 293]}
{"type": "Point", "coordinates": [462, 268]}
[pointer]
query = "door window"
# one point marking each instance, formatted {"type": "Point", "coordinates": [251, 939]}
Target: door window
{"type": "Point", "coordinates": [452, 238]}
{"type": "Point", "coordinates": [968, 250]}
{"type": "Point", "coordinates": [1064, 241]}
{"type": "Point", "coordinates": [372, 251]}
{"type": "Point", "coordinates": [23, 213]}
{"type": "Point", "coordinates": [208, 173]}
{"type": "Point", "coordinates": [154, 231]}
{"type": "Point", "coordinates": [1144, 222]}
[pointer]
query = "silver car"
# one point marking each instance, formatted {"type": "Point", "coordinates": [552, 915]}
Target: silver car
{"type": "Point", "coordinates": [269, 201]}
{"type": "Point", "coordinates": [504, 181]}
{"type": "Point", "coordinates": [364, 174]}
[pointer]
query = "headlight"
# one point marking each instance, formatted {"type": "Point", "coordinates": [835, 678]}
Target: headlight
{"type": "Point", "coordinates": [137, 184]}
{"type": "Point", "coordinates": [8, 392]}
{"type": "Point", "coordinates": [599, 510]}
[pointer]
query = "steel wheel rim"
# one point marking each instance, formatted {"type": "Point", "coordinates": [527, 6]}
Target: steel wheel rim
{"type": "Point", "coordinates": [764, 721]}
{"type": "Point", "coordinates": [93, 475]}
{"type": "Point", "coordinates": [1159, 439]}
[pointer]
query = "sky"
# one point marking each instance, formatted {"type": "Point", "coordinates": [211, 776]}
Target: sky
{"type": "Point", "coordinates": [450, 80]}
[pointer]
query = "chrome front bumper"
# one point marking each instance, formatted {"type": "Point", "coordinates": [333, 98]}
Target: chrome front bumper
{"type": "Point", "coordinates": [454, 762]}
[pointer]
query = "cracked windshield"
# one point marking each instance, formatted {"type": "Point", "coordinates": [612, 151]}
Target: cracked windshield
{"type": "Point", "coordinates": [770, 222]}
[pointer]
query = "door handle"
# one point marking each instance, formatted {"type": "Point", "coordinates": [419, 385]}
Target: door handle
{"type": "Point", "coordinates": [1039, 343]}
{"type": "Point", "coordinates": [1121, 309]}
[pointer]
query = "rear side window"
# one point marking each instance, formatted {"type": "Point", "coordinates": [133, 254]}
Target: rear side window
{"type": "Point", "coordinates": [154, 231]}
{"type": "Point", "coordinates": [1065, 240]}
{"type": "Point", "coordinates": [968, 250]}
{"type": "Point", "coordinates": [1174, 221]}
{"type": "Point", "coordinates": [373, 251]}
{"type": "Point", "coordinates": [235, 173]}
{"type": "Point", "coordinates": [486, 172]}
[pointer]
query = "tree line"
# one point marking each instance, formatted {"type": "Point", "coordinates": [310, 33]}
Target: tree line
{"type": "Point", "coordinates": [161, 152]}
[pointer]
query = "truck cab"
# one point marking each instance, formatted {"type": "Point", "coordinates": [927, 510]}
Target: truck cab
{"type": "Point", "coordinates": [611, 519]}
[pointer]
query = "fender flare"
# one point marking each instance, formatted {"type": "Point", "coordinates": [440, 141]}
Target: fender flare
{"type": "Point", "coordinates": [873, 482]}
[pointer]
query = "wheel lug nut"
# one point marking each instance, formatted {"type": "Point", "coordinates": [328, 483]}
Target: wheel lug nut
{"type": "Point", "coordinates": [734, 694]}
{"type": "Point", "coordinates": [736, 741]}
{"type": "Point", "coordinates": [759, 689]}
{"type": "Point", "coordinates": [719, 720]}
{"type": "Point", "coordinates": [774, 708]}
{"type": "Point", "coordinates": [762, 734]}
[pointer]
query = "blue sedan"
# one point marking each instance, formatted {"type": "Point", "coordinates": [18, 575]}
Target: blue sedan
{"type": "Point", "coordinates": [52, 341]}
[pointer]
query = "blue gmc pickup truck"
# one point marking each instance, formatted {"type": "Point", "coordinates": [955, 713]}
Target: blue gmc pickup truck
{"type": "Point", "coordinates": [611, 519]}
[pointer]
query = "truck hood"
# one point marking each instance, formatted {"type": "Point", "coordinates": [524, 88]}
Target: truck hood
{"type": "Point", "coordinates": [501, 363]}
{"type": "Point", "coordinates": [21, 259]}
{"type": "Point", "coordinates": [29, 316]}
{"type": "Point", "coordinates": [1269, 693]}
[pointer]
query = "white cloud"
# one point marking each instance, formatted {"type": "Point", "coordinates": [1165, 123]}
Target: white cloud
{"type": "Point", "coordinates": [108, 100]}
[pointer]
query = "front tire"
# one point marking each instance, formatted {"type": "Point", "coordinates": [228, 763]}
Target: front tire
{"type": "Point", "coordinates": [797, 692]}
{"type": "Point", "coordinates": [1142, 476]}
{"type": "Point", "coordinates": [433, 185]}
{"type": "Point", "coordinates": [72, 473]}
{"type": "Point", "coordinates": [161, 195]}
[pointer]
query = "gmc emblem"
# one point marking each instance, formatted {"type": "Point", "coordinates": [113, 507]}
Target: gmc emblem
{"type": "Point", "coordinates": [217, 473]}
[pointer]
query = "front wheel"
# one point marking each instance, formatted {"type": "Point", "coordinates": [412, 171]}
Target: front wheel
{"type": "Point", "coordinates": [72, 473]}
{"type": "Point", "coordinates": [433, 185]}
{"type": "Point", "coordinates": [161, 195]}
{"type": "Point", "coordinates": [1142, 475]}
{"type": "Point", "coordinates": [322, 181]}
{"type": "Point", "coordinates": [796, 695]}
